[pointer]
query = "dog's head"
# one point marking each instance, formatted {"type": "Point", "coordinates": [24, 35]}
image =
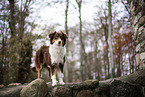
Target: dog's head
{"type": "Point", "coordinates": [58, 38]}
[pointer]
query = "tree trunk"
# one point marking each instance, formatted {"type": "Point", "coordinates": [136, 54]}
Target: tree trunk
{"type": "Point", "coordinates": [110, 41]}
{"type": "Point", "coordinates": [81, 42]}
{"type": "Point", "coordinates": [66, 30]}
{"type": "Point", "coordinates": [81, 48]}
{"type": "Point", "coordinates": [107, 52]}
{"type": "Point", "coordinates": [83, 61]}
{"type": "Point", "coordinates": [13, 53]}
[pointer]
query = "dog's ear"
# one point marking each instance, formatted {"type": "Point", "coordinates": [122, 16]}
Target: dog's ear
{"type": "Point", "coordinates": [51, 34]}
{"type": "Point", "coordinates": [65, 37]}
{"type": "Point", "coordinates": [64, 34]}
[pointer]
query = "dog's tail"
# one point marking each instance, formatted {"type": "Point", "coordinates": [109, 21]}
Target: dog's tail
{"type": "Point", "coordinates": [38, 60]}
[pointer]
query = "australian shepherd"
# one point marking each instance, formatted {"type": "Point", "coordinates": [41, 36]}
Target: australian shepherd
{"type": "Point", "coordinates": [52, 57]}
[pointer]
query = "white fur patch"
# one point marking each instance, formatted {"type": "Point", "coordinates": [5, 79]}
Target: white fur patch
{"type": "Point", "coordinates": [60, 77]}
{"type": "Point", "coordinates": [57, 53]}
{"type": "Point", "coordinates": [54, 80]}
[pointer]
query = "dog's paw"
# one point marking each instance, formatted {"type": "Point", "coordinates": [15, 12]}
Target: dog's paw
{"type": "Point", "coordinates": [54, 84]}
{"type": "Point", "coordinates": [61, 83]}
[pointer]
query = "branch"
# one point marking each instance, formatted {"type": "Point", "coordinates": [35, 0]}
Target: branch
{"type": "Point", "coordinates": [73, 5]}
{"type": "Point", "coordinates": [125, 7]}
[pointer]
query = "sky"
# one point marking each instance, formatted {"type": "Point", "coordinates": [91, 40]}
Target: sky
{"type": "Point", "coordinates": [44, 14]}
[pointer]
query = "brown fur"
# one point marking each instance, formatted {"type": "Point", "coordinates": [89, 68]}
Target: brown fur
{"type": "Point", "coordinates": [42, 59]}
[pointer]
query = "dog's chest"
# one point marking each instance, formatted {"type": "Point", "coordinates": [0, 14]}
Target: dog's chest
{"type": "Point", "coordinates": [57, 54]}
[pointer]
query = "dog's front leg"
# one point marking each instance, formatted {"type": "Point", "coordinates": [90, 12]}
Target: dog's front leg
{"type": "Point", "coordinates": [60, 77]}
{"type": "Point", "coordinates": [60, 74]}
{"type": "Point", "coordinates": [53, 75]}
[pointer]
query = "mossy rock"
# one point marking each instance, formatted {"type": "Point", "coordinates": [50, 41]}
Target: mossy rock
{"type": "Point", "coordinates": [37, 88]}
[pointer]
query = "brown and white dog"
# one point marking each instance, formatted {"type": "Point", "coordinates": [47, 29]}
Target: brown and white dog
{"type": "Point", "coordinates": [52, 57]}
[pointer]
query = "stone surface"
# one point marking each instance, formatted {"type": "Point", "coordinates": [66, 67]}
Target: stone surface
{"type": "Point", "coordinates": [37, 88]}
{"type": "Point", "coordinates": [141, 29]}
{"type": "Point", "coordinates": [61, 91]}
{"type": "Point", "coordinates": [137, 18]}
{"type": "Point", "coordinates": [103, 90]}
{"type": "Point", "coordinates": [143, 10]}
{"type": "Point", "coordinates": [142, 55]}
{"type": "Point", "coordinates": [124, 89]}
{"type": "Point", "coordinates": [135, 29]}
{"type": "Point", "coordinates": [142, 20]}
{"type": "Point", "coordinates": [85, 93]}
{"type": "Point", "coordinates": [138, 9]}
{"type": "Point", "coordinates": [136, 78]}
{"type": "Point", "coordinates": [11, 91]}
{"type": "Point", "coordinates": [137, 48]}
{"type": "Point", "coordinates": [92, 83]}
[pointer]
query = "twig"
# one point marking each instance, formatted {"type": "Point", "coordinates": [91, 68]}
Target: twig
{"type": "Point", "coordinates": [125, 7]}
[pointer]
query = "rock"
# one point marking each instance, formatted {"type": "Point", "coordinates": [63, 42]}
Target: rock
{"type": "Point", "coordinates": [132, 85]}
{"type": "Point", "coordinates": [123, 89]}
{"type": "Point", "coordinates": [11, 91]}
{"type": "Point", "coordinates": [142, 20]}
{"type": "Point", "coordinates": [37, 88]}
{"type": "Point", "coordinates": [86, 93]}
{"type": "Point", "coordinates": [14, 84]}
{"type": "Point", "coordinates": [138, 9]}
{"type": "Point", "coordinates": [143, 10]}
{"type": "Point", "coordinates": [137, 78]}
{"type": "Point", "coordinates": [61, 91]}
{"type": "Point", "coordinates": [92, 83]}
{"type": "Point", "coordinates": [103, 90]}
{"type": "Point", "coordinates": [79, 86]}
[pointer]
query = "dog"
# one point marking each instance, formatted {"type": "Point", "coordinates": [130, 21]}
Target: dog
{"type": "Point", "coordinates": [52, 57]}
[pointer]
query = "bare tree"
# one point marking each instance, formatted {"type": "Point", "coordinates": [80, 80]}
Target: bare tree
{"type": "Point", "coordinates": [12, 25]}
{"type": "Point", "coordinates": [16, 41]}
{"type": "Point", "coordinates": [66, 30]}
{"type": "Point", "coordinates": [83, 55]}
{"type": "Point", "coordinates": [105, 28]}
{"type": "Point", "coordinates": [4, 38]}
{"type": "Point", "coordinates": [110, 39]}
{"type": "Point", "coordinates": [79, 2]}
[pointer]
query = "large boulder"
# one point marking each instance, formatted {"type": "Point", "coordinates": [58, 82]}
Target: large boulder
{"type": "Point", "coordinates": [136, 78]}
{"type": "Point", "coordinates": [124, 89]}
{"type": "Point", "coordinates": [37, 88]}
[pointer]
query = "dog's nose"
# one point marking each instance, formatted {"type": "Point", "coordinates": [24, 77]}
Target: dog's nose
{"type": "Point", "coordinates": [59, 42]}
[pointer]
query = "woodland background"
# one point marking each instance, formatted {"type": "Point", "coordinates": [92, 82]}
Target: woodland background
{"type": "Point", "coordinates": [89, 52]}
